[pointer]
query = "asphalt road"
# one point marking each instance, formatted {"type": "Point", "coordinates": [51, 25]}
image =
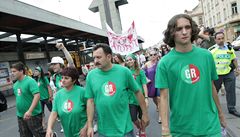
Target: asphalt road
{"type": "Point", "coordinates": [9, 126]}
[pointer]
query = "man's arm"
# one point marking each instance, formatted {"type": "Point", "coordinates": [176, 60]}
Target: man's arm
{"type": "Point", "coordinates": [90, 113]}
{"type": "Point", "coordinates": [35, 101]}
{"type": "Point", "coordinates": [164, 112]}
{"type": "Point", "coordinates": [50, 92]}
{"type": "Point", "coordinates": [202, 35]}
{"type": "Point", "coordinates": [236, 64]}
{"type": "Point", "coordinates": [60, 46]}
{"type": "Point", "coordinates": [237, 68]}
{"type": "Point", "coordinates": [145, 118]}
{"type": "Point", "coordinates": [217, 102]}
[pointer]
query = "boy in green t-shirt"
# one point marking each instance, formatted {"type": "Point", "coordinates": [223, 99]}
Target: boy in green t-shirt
{"type": "Point", "coordinates": [29, 111]}
{"type": "Point", "coordinates": [107, 87]}
{"type": "Point", "coordinates": [186, 73]}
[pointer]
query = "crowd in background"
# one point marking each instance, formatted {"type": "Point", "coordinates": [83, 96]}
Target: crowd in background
{"type": "Point", "coordinates": [138, 72]}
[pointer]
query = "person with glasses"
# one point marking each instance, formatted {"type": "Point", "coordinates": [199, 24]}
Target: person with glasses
{"type": "Point", "coordinates": [164, 49]}
{"type": "Point", "coordinates": [150, 71]}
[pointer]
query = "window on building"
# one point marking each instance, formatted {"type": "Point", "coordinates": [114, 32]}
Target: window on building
{"type": "Point", "coordinates": [225, 14]}
{"type": "Point", "coordinates": [212, 4]}
{"type": "Point", "coordinates": [214, 21]}
{"type": "Point", "coordinates": [210, 22]}
{"type": "Point", "coordinates": [219, 17]}
{"type": "Point", "coordinates": [200, 20]}
{"type": "Point", "coordinates": [208, 7]}
{"type": "Point", "coordinates": [234, 8]}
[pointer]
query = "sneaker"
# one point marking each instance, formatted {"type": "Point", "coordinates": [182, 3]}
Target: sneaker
{"type": "Point", "coordinates": [55, 134]}
{"type": "Point", "coordinates": [61, 130]}
{"type": "Point", "coordinates": [58, 120]}
{"type": "Point", "coordinates": [159, 121]}
{"type": "Point", "coordinates": [95, 128]}
{"type": "Point", "coordinates": [137, 133]}
{"type": "Point", "coordinates": [142, 134]}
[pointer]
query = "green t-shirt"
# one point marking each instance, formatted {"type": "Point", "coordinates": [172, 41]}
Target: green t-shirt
{"type": "Point", "coordinates": [223, 58]}
{"type": "Point", "coordinates": [71, 109]}
{"type": "Point", "coordinates": [141, 80]}
{"type": "Point", "coordinates": [188, 76]}
{"type": "Point", "coordinates": [43, 88]}
{"type": "Point", "coordinates": [24, 91]}
{"type": "Point", "coordinates": [109, 89]}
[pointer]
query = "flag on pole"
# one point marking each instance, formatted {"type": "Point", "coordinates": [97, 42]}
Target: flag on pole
{"type": "Point", "coordinates": [125, 43]}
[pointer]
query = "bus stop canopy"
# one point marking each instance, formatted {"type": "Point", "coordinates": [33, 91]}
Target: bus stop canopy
{"type": "Point", "coordinates": [20, 18]}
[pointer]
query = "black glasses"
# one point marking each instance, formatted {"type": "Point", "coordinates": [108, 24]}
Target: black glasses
{"type": "Point", "coordinates": [153, 54]}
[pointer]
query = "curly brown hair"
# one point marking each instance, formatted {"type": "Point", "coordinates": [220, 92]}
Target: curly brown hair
{"type": "Point", "coordinates": [171, 29]}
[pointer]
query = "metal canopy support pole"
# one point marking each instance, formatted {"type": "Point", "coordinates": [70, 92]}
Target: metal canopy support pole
{"type": "Point", "coordinates": [20, 48]}
{"type": "Point", "coordinates": [46, 48]}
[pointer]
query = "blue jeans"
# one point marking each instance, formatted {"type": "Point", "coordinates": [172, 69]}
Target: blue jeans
{"type": "Point", "coordinates": [129, 134]}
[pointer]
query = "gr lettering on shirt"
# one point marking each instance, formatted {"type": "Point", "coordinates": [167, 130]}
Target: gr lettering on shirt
{"type": "Point", "coordinates": [109, 88]}
{"type": "Point", "coordinates": [67, 106]}
{"type": "Point", "coordinates": [190, 74]}
{"type": "Point", "coordinates": [19, 92]}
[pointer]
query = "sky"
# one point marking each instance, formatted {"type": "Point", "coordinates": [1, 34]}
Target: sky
{"type": "Point", "coordinates": [150, 16]}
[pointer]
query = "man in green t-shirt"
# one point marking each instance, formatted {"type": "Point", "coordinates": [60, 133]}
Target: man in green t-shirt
{"type": "Point", "coordinates": [29, 111]}
{"type": "Point", "coordinates": [107, 87]}
{"type": "Point", "coordinates": [224, 56]}
{"type": "Point", "coordinates": [186, 75]}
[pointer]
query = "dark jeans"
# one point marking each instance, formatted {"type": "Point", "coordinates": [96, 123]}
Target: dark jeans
{"type": "Point", "coordinates": [229, 81]}
{"type": "Point", "coordinates": [47, 103]}
{"type": "Point", "coordinates": [31, 127]}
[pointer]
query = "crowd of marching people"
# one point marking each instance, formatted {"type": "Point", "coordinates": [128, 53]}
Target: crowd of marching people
{"type": "Point", "coordinates": [182, 80]}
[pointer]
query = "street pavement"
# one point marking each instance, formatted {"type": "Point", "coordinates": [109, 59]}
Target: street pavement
{"type": "Point", "coordinates": [9, 126]}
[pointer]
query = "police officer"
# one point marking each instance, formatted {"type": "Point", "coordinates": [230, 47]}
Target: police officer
{"type": "Point", "coordinates": [226, 61]}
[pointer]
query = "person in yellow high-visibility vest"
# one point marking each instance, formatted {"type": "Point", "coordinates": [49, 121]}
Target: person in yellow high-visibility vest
{"type": "Point", "coordinates": [226, 61]}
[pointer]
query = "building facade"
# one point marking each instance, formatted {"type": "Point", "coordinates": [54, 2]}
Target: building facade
{"type": "Point", "coordinates": [196, 14]}
{"type": "Point", "coordinates": [223, 15]}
